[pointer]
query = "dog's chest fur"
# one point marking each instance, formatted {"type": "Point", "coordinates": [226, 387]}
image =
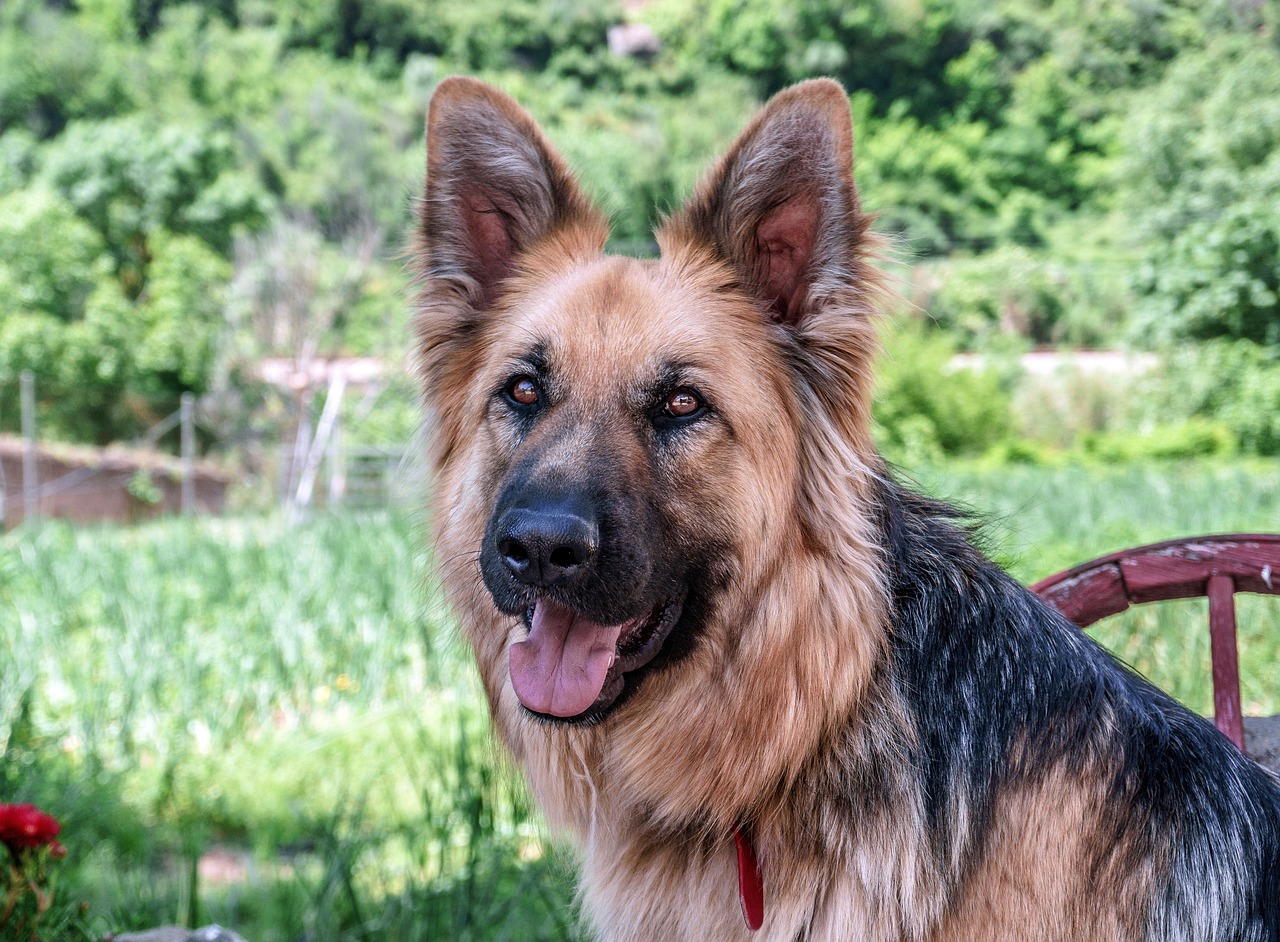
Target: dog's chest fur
{"type": "Point", "coordinates": [823, 879]}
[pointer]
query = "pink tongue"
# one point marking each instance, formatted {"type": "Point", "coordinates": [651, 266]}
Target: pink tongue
{"type": "Point", "coordinates": [561, 668]}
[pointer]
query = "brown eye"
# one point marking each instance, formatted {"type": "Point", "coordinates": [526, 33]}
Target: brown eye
{"type": "Point", "coordinates": [682, 403]}
{"type": "Point", "coordinates": [523, 391]}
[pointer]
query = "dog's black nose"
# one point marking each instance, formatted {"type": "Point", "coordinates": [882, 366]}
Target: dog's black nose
{"type": "Point", "coordinates": [546, 547]}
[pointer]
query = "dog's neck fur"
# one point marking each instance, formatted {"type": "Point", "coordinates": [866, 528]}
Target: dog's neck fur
{"type": "Point", "coordinates": [654, 792]}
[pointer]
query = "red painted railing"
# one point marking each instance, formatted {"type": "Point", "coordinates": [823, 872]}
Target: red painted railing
{"type": "Point", "coordinates": [1212, 566]}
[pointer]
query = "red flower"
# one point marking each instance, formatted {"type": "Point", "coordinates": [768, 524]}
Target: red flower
{"type": "Point", "coordinates": [25, 826]}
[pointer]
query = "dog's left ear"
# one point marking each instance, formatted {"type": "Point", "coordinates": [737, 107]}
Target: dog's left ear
{"type": "Point", "coordinates": [781, 206]}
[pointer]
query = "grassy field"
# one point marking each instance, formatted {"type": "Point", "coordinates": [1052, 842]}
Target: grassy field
{"type": "Point", "coordinates": [273, 727]}
{"type": "Point", "coordinates": [1037, 521]}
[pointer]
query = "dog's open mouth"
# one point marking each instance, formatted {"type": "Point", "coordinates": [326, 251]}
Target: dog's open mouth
{"type": "Point", "coordinates": [569, 665]}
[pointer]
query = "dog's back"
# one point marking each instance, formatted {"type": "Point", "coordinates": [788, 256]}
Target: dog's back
{"type": "Point", "coordinates": [1035, 743]}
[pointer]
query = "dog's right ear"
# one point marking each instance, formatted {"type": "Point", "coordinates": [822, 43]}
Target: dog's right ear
{"type": "Point", "coordinates": [494, 188]}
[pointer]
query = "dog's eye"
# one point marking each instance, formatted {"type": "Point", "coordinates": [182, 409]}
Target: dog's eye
{"type": "Point", "coordinates": [523, 391]}
{"type": "Point", "coordinates": [682, 404]}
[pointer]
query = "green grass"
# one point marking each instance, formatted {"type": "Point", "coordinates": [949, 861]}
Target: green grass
{"type": "Point", "coordinates": [297, 695]}
{"type": "Point", "coordinates": [1038, 521]}
{"type": "Point", "coordinates": [295, 691]}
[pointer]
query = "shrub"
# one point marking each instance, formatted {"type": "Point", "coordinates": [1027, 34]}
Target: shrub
{"type": "Point", "coordinates": [1235, 383]}
{"type": "Point", "coordinates": [1201, 184]}
{"type": "Point", "coordinates": [926, 407]}
{"type": "Point", "coordinates": [1192, 438]}
{"type": "Point", "coordinates": [1046, 297]}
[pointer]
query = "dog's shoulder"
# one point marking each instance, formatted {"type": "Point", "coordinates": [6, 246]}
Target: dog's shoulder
{"type": "Point", "coordinates": [1001, 689]}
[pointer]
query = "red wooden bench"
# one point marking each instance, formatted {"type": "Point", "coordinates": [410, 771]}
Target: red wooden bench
{"type": "Point", "coordinates": [1213, 566]}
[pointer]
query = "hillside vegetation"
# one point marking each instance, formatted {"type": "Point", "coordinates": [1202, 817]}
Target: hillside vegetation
{"type": "Point", "coordinates": [271, 724]}
{"type": "Point", "coordinates": [185, 187]}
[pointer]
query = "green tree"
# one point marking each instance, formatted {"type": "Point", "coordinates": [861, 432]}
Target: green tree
{"type": "Point", "coordinates": [106, 366]}
{"type": "Point", "coordinates": [1203, 174]}
{"type": "Point", "coordinates": [50, 259]}
{"type": "Point", "coordinates": [131, 178]}
{"type": "Point", "coordinates": [55, 68]}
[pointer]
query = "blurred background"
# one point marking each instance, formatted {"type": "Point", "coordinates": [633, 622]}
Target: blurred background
{"type": "Point", "coordinates": [224, 664]}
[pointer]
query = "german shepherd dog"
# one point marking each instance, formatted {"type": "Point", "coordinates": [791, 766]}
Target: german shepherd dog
{"type": "Point", "coordinates": [726, 648]}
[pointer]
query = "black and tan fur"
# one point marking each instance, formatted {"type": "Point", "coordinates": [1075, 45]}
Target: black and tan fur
{"type": "Point", "coordinates": [920, 748]}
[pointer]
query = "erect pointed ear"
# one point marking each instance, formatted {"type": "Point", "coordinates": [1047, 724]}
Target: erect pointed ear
{"type": "Point", "coordinates": [780, 206]}
{"type": "Point", "coordinates": [494, 188]}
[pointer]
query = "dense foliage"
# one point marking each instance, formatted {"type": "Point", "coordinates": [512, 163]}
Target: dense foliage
{"type": "Point", "coordinates": [1078, 172]}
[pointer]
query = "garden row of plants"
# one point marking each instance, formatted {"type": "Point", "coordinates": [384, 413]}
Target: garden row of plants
{"type": "Point", "coordinates": [273, 726]}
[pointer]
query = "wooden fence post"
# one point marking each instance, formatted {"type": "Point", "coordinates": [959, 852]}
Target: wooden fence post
{"type": "Point", "coordinates": [186, 411]}
{"type": "Point", "coordinates": [311, 464]}
{"type": "Point", "coordinates": [30, 486]}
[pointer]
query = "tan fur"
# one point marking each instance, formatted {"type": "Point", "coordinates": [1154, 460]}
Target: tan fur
{"type": "Point", "coordinates": [1046, 874]}
{"type": "Point", "coordinates": [652, 794]}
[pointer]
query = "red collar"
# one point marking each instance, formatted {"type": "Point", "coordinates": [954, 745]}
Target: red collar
{"type": "Point", "coordinates": [750, 882]}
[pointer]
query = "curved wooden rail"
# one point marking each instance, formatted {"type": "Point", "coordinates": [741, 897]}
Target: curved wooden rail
{"type": "Point", "coordinates": [1213, 566]}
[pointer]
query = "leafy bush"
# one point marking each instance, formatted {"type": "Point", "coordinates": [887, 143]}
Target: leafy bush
{"type": "Point", "coordinates": [1191, 438]}
{"type": "Point", "coordinates": [50, 259]}
{"type": "Point", "coordinates": [1220, 276]}
{"type": "Point", "coordinates": [931, 186]}
{"type": "Point", "coordinates": [1233, 383]}
{"type": "Point", "coordinates": [926, 407]}
{"type": "Point", "coordinates": [106, 367]}
{"type": "Point", "coordinates": [1220, 398]}
{"type": "Point", "coordinates": [55, 68]}
{"type": "Point", "coordinates": [1202, 174]}
{"type": "Point", "coordinates": [132, 177]}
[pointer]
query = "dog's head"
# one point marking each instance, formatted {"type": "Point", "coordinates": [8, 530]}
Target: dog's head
{"type": "Point", "coordinates": [625, 449]}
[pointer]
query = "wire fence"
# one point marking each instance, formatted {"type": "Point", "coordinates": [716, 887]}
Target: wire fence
{"type": "Point", "coordinates": [34, 492]}
{"type": "Point", "coordinates": [313, 466]}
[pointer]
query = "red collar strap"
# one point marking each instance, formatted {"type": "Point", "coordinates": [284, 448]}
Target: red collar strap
{"type": "Point", "coordinates": [750, 882]}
